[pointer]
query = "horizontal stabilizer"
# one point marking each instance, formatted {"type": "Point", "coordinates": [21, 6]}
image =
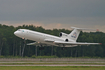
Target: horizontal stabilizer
{"type": "Point", "coordinates": [83, 29]}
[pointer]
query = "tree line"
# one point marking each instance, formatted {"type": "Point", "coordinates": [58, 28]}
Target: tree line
{"type": "Point", "coordinates": [10, 45]}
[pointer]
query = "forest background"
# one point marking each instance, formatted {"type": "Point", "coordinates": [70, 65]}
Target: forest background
{"type": "Point", "coordinates": [12, 46]}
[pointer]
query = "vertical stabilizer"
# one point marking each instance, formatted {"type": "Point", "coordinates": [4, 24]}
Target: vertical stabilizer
{"type": "Point", "coordinates": [74, 34]}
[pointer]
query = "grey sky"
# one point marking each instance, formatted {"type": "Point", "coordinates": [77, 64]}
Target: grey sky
{"type": "Point", "coordinates": [84, 13]}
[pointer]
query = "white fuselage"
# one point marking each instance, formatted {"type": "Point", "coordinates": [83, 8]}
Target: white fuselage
{"type": "Point", "coordinates": [42, 39]}
{"type": "Point", "coordinates": [38, 37]}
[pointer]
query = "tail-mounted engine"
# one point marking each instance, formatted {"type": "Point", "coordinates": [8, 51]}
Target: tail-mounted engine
{"type": "Point", "coordinates": [66, 40]}
{"type": "Point", "coordinates": [64, 35]}
{"type": "Point", "coordinates": [61, 34]}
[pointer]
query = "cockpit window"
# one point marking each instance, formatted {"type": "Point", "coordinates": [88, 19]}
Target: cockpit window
{"type": "Point", "coordinates": [20, 30]}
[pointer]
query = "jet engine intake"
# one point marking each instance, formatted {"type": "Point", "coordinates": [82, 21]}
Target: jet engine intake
{"type": "Point", "coordinates": [61, 34]}
{"type": "Point", "coordinates": [66, 40]}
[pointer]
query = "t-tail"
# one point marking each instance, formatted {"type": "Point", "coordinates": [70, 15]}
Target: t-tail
{"type": "Point", "coordinates": [75, 33]}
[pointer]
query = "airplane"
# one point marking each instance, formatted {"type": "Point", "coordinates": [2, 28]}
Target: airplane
{"type": "Point", "coordinates": [42, 39]}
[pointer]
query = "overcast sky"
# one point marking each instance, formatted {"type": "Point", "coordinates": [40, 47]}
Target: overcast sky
{"type": "Point", "coordinates": [54, 13]}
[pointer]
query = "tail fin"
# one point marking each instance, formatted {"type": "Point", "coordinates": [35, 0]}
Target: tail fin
{"type": "Point", "coordinates": [75, 33]}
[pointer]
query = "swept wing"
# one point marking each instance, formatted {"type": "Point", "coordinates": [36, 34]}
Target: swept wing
{"type": "Point", "coordinates": [75, 43]}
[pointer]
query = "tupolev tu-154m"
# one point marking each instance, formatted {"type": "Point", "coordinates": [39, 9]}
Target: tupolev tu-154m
{"type": "Point", "coordinates": [42, 39]}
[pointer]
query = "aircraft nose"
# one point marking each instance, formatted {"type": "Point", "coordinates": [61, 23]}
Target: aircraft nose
{"type": "Point", "coordinates": [15, 33]}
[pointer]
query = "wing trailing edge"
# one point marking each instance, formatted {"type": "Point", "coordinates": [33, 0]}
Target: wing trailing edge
{"type": "Point", "coordinates": [75, 43]}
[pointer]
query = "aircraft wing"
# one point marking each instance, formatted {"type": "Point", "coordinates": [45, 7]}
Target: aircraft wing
{"type": "Point", "coordinates": [34, 43]}
{"type": "Point", "coordinates": [75, 43]}
{"type": "Point", "coordinates": [37, 43]}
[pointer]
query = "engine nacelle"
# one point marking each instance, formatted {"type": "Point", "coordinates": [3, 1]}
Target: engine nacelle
{"type": "Point", "coordinates": [66, 40]}
{"type": "Point", "coordinates": [61, 34]}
